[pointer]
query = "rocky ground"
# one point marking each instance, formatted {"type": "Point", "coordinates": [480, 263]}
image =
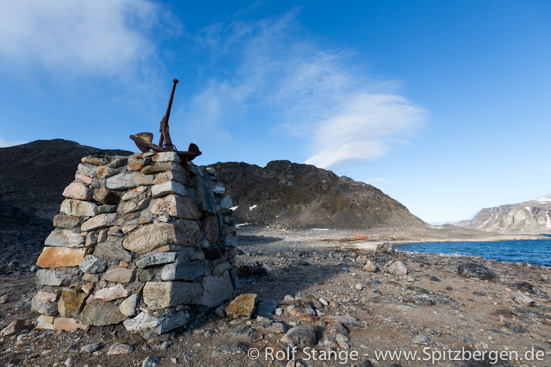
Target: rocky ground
{"type": "Point", "coordinates": [320, 290]}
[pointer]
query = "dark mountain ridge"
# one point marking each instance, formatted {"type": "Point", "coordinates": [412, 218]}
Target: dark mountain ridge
{"type": "Point", "coordinates": [282, 194]}
{"type": "Point", "coordinates": [292, 195]}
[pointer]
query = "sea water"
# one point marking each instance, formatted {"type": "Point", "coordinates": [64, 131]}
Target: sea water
{"type": "Point", "coordinates": [537, 252]}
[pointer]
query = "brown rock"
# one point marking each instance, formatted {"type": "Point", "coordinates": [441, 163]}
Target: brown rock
{"type": "Point", "coordinates": [370, 267]}
{"type": "Point", "coordinates": [54, 257]}
{"type": "Point", "coordinates": [95, 160]}
{"type": "Point", "coordinates": [242, 305]}
{"type": "Point", "coordinates": [105, 172]}
{"type": "Point", "coordinates": [68, 324]}
{"type": "Point", "coordinates": [106, 196]}
{"type": "Point", "coordinates": [66, 221]}
{"type": "Point", "coordinates": [211, 229]}
{"type": "Point", "coordinates": [13, 328]}
{"type": "Point", "coordinates": [70, 303]}
{"type": "Point", "coordinates": [78, 191]}
{"type": "Point", "coordinates": [45, 322]}
{"type": "Point", "coordinates": [176, 206]}
{"type": "Point", "coordinates": [119, 275]}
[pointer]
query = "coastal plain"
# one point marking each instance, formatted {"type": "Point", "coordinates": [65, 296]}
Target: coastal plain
{"type": "Point", "coordinates": [317, 292]}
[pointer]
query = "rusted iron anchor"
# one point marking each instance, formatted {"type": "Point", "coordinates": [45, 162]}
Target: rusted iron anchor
{"type": "Point", "coordinates": [144, 141]}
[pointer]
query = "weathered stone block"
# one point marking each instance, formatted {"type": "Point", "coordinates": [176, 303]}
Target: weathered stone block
{"type": "Point", "coordinates": [99, 313]}
{"type": "Point", "coordinates": [54, 257]}
{"type": "Point", "coordinates": [66, 221]}
{"type": "Point", "coordinates": [64, 238]}
{"type": "Point", "coordinates": [92, 264]}
{"type": "Point", "coordinates": [87, 180]}
{"type": "Point", "coordinates": [105, 172]}
{"type": "Point", "coordinates": [157, 259]}
{"type": "Point", "coordinates": [168, 187]}
{"type": "Point", "coordinates": [150, 237]}
{"type": "Point", "coordinates": [128, 180]}
{"type": "Point", "coordinates": [78, 191]}
{"type": "Point", "coordinates": [160, 167]}
{"type": "Point", "coordinates": [166, 157]}
{"type": "Point", "coordinates": [112, 249]}
{"type": "Point", "coordinates": [78, 208]}
{"type": "Point", "coordinates": [226, 202]}
{"type": "Point", "coordinates": [106, 196]}
{"type": "Point", "coordinates": [52, 277]}
{"type": "Point", "coordinates": [163, 177]}
{"type": "Point", "coordinates": [217, 289]}
{"type": "Point", "coordinates": [99, 221]}
{"type": "Point", "coordinates": [119, 275]}
{"type": "Point", "coordinates": [111, 293]}
{"type": "Point", "coordinates": [67, 324]}
{"type": "Point", "coordinates": [158, 295]}
{"type": "Point", "coordinates": [133, 205]}
{"type": "Point", "coordinates": [70, 303]}
{"type": "Point", "coordinates": [185, 271]}
{"type": "Point", "coordinates": [44, 303]}
{"type": "Point", "coordinates": [176, 206]}
{"type": "Point", "coordinates": [95, 160]}
{"type": "Point", "coordinates": [134, 193]}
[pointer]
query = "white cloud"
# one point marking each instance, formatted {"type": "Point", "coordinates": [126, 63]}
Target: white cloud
{"type": "Point", "coordinates": [68, 36]}
{"type": "Point", "coordinates": [7, 143]}
{"type": "Point", "coordinates": [318, 95]}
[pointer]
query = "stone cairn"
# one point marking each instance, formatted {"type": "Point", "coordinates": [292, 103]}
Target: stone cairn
{"type": "Point", "coordinates": [144, 240]}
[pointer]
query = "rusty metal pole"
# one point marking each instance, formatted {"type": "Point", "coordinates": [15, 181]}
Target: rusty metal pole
{"type": "Point", "coordinates": [165, 136]}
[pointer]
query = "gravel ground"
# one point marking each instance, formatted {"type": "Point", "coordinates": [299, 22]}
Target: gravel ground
{"type": "Point", "coordinates": [314, 287]}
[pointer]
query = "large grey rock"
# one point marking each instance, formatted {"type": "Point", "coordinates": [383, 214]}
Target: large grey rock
{"type": "Point", "coordinates": [139, 191]}
{"type": "Point", "coordinates": [476, 271]}
{"type": "Point", "coordinates": [157, 259]}
{"type": "Point", "coordinates": [162, 166]}
{"type": "Point", "coordinates": [128, 180]}
{"type": "Point", "coordinates": [92, 264]}
{"type": "Point", "coordinates": [183, 271]}
{"type": "Point", "coordinates": [99, 313]}
{"type": "Point", "coordinates": [166, 157]}
{"type": "Point", "coordinates": [52, 277]}
{"type": "Point", "coordinates": [99, 221]}
{"type": "Point", "coordinates": [112, 249]}
{"type": "Point", "coordinates": [170, 176]}
{"type": "Point", "coordinates": [66, 221]}
{"type": "Point", "coordinates": [168, 187]}
{"type": "Point", "coordinates": [217, 289]}
{"type": "Point", "coordinates": [158, 295]}
{"type": "Point", "coordinates": [395, 267]}
{"type": "Point", "coordinates": [149, 237]}
{"type": "Point", "coordinates": [168, 320]}
{"type": "Point", "coordinates": [78, 208]}
{"type": "Point", "coordinates": [65, 238]}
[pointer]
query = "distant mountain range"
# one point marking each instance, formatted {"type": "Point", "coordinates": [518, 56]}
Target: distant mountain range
{"type": "Point", "coordinates": [528, 217]}
{"type": "Point", "coordinates": [282, 194]}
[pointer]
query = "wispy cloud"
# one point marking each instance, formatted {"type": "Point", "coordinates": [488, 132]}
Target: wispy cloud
{"type": "Point", "coordinates": [319, 95]}
{"type": "Point", "coordinates": [65, 36]}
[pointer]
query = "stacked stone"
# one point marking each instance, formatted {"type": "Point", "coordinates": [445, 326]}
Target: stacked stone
{"type": "Point", "coordinates": [145, 240]}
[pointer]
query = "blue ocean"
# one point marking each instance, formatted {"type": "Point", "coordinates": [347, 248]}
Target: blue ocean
{"type": "Point", "coordinates": [537, 252]}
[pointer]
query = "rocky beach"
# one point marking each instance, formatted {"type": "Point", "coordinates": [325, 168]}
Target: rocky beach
{"type": "Point", "coordinates": [321, 301]}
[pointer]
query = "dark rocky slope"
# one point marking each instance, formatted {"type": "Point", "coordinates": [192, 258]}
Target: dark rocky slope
{"type": "Point", "coordinates": [291, 195]}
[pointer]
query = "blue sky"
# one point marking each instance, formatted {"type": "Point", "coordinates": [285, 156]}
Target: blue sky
{"type": "Point", "coordinates": [444, 105]}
